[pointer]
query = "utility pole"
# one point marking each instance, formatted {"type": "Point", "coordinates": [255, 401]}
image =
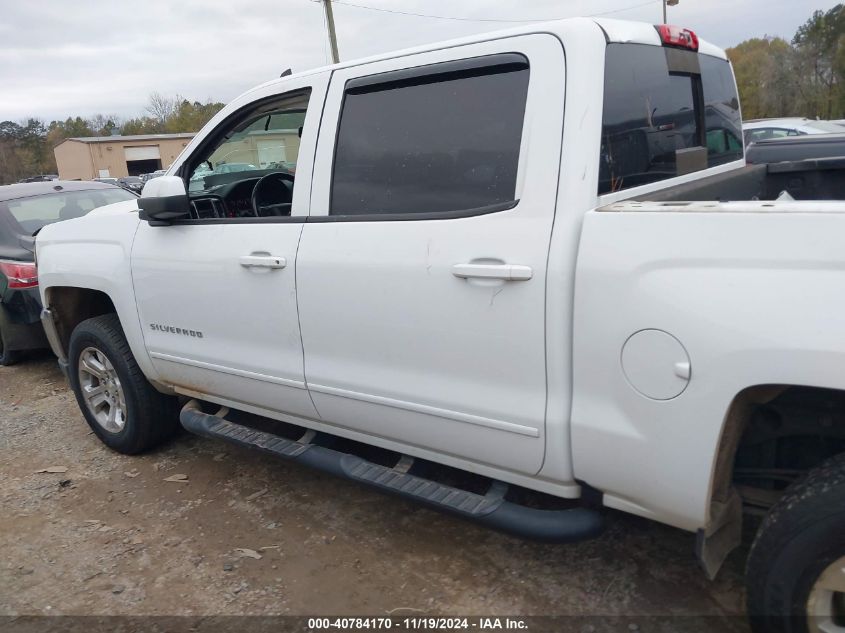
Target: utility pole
{"type": "Point", "coordinates": [671, 3]}
{"type": "Point", "coordinates": [327, 5]}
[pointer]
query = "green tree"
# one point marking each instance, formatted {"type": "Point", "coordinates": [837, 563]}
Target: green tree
{"type": "Point", "coordinates": [805, 77]}
{"type": "Point", "coordinates": [171, 114]}
{"type": "Point", "coordinates": [819, 42]}
{"type": "Point", "coordinates": [839, 69]}
{"type": "Point", "coordinates": [190, 116]}
{"type": "Point", "coordinates": [141, 125]}
{"type": "Point", "coordinates": [11, 168]}
{"type": "Point", "coordinates": [72, 127]}
{"type": "Point", "coordinates": [764, 76]}
{"type": "Point", "coordinates": [33, 150]}
{"type": "Point", "coordinates": [11, 131]}
{"type": "Point", "coordinates": [103, 124]}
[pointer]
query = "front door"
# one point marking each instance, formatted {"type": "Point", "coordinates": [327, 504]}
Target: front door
{"type": "Point", "coordinates": [217, 294]}
{"type": "Point", "coordinates": [422, 269]}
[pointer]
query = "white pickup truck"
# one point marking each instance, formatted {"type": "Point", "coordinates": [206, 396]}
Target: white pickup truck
{"type": "Point", "coordinates": [533, 260]}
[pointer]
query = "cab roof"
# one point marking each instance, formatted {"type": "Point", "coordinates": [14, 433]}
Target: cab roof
{"type": "Point", "coordinates": [625, 31]}
{"type": "Point", "coordinates": [615, 31]}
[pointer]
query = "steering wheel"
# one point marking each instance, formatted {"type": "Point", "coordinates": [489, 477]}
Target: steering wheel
{"type": "Point", "coordinates": [276, 184]}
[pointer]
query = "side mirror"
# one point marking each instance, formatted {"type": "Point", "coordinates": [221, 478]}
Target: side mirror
{"type": "Point", "coordinates": [163, 200]}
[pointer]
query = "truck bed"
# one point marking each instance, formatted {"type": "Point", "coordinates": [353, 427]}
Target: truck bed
{"type": "Point", "coordinates": [817, 179]}
{"type": "Point", "coordinates": [704, 290]}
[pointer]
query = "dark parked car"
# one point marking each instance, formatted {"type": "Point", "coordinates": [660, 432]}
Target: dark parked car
{"type": "Point", "coordinates": [24, 209]}
{"type": "Point", "coordinates": [133, 183]}
{"type": "Point", "coordinates": [155, 174]}
{"type": "Point", "coordinates": [41, 178]}
{"type": "Point", "coordinates": [795, 148]}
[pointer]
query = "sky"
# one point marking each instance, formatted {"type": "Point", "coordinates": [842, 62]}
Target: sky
{"type": "Point", "coordinates": [61, 58]}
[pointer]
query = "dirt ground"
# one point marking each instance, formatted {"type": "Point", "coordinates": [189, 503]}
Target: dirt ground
{"type": "Point", "coordinates": [250, 534]}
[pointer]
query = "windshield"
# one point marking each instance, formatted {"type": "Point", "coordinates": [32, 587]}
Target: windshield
{"type": "Point", "coordinates": [37, 211]}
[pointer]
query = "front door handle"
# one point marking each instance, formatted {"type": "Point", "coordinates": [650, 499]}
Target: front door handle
{"type": "Point", "coordinates": [262, 261]}
{"type": "Point", "coordinates": [507, 272]}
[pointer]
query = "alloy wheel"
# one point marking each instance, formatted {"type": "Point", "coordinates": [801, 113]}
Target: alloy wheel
{"type": "Point", "coordinates": [826, 604]}
{"type": "Point", "coordinates": [101, 390]}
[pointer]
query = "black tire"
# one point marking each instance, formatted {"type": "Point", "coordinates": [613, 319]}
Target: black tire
{"type": "Point", "coordinates": [803, 534]}
{"type": "Point", "coordinates": [7, 357]}
{"type": "Point", "coordinates": [151, 417]}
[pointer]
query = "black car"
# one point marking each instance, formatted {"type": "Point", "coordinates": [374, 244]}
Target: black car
{"type": "Point", "coordinates": [133, 183]}
{"type": "Point", "coordinates": [41, 178]}
{"type": "Point", "coordinates": [795, 148]}
{"type": "Point", "coordinates": [24, 210]}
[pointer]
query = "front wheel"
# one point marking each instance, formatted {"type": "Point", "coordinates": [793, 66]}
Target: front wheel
{"type": "Point", "coordinates": [796, 568]}
{"type": "Point", "coordinates": [122, 408]}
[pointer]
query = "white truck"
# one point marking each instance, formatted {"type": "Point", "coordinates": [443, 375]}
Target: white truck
{"type": "Point", "coordinates": [534, 259]}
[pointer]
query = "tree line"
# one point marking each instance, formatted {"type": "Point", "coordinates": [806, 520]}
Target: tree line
{"type": "Point", "coordinates": [802, 77]}
{"type": "Point", "coordinates": [26, 147]}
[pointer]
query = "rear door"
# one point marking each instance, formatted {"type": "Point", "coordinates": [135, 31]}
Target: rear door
{"type": "Point", "coordinates": [421, 272]}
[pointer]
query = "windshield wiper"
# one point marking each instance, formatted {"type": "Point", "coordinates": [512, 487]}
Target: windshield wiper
{"type": "Point", "coordinates": [35, 232]}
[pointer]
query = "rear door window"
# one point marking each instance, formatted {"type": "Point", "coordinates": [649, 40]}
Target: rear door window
{"type": "Point", "coordinates": [666, 112]}
{"type": "Point", "coordinates": [446, 140]}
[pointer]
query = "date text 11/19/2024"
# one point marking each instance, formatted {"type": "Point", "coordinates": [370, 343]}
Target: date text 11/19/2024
{"type": "Point", "coordinates": [421, 623]}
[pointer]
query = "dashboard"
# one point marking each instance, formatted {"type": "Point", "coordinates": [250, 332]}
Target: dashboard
{"type": "Point", "coordinates": [234, 199]}
{"type": "Point", "coordinates": [226, 201]}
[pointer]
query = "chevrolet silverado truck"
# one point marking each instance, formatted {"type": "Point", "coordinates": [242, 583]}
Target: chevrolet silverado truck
{"type": "Point", "coordinates": [531, 262]}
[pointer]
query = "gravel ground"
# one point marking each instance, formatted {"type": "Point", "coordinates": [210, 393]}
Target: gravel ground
{"type": "Point", "coordinates": [249, 534]}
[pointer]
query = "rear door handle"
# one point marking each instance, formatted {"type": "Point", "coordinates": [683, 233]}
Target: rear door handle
{"type": "Point", "coordinates": [262, 261]}
{"type": "Point", "coordinates": [507, 272]}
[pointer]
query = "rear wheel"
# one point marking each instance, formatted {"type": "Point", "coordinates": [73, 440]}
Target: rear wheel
{"type": "Point", "coordinates": [796, 568]}
{"type": "Point", "coordinates": [122, 408]}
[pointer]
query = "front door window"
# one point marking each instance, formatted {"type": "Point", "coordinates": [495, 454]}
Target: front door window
{"type": "Point", "coordinates": [250, 170]}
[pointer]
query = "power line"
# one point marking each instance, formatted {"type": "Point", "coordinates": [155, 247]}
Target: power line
{"type": "Point", "coordinates": [636, 6]}
{"type": "Point", "coordinates": [460, 19]}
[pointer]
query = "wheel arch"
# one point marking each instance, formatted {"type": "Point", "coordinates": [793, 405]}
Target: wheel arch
{"type": "Point", "coordinates": [736, 420]}
{"type": "Point", "coordinates": [784, 416]}
{"type": "Point", "coordinates": [72, 305]}
{"type": "Point", "coordinates": [742, 409]}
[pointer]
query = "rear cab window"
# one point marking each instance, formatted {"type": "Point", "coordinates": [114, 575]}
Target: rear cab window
{"type": "Point", "coordinates": [667, 112]}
